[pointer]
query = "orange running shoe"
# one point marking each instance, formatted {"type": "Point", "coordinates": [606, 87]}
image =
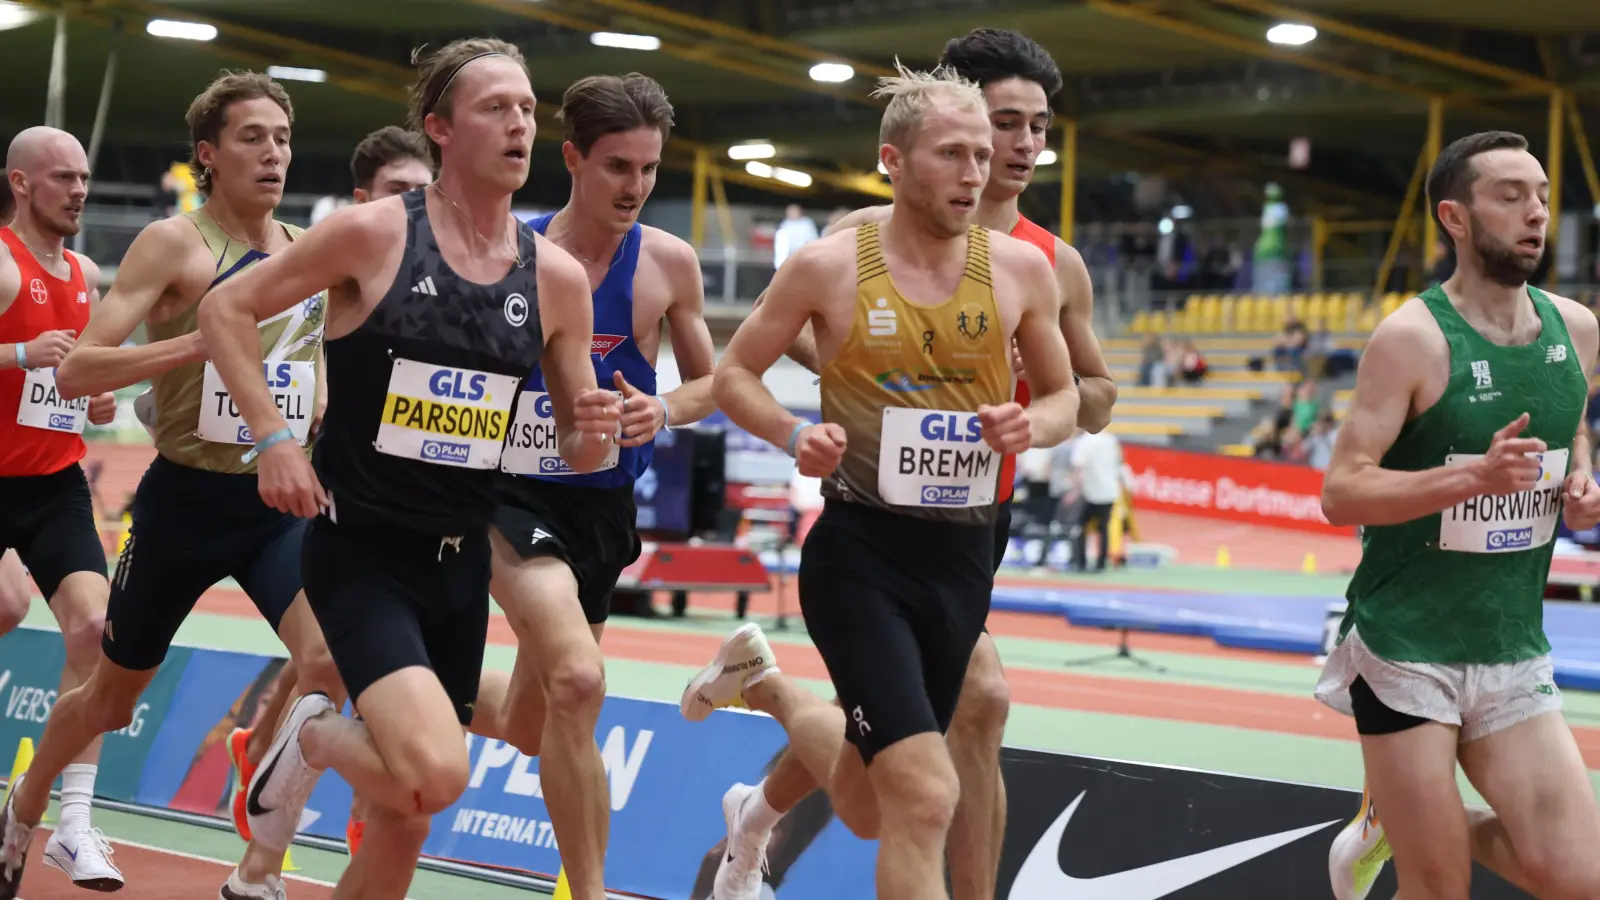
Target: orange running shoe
{"type": "Point", "coordinates": [352, 834]}
{"type": "Point", "coordinates": [237, 740]}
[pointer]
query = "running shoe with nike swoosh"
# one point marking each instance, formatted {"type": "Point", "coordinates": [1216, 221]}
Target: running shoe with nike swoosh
{"type": "Point", "coordinates": [238, 742]}
{"type": "Point", "coordinates": [1359, 853]}
{"type": "Point", "coordinates": [283, 783]}
{"type": "Point", "coordinates": [83, 855]}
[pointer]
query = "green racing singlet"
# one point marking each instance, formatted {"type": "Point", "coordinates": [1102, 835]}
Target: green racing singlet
{"type": "Point", "coordinates": [1467, 585]}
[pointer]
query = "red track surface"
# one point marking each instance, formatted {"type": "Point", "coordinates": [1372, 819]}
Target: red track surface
{"type": "Point", "coordinates": [150, 874]}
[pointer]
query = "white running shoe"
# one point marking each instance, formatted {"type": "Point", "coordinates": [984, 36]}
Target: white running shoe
{"type": "Point", "coordinates": [739, 873]}
{"type": "Point", "coordinates": [15, 838]}
{"type": "Point", "coordinates": [239, 889]}
{"type": "Point", "coordinates": [83, 855]}
{"type": "Point", "coordinates": [743, 654]}
{"type": "Point", "coordinates": [283, 781]}
{"type": "Point", "coordinates": [1358, 853]}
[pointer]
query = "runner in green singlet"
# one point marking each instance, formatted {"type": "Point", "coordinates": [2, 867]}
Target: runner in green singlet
{"type": "Point", "coordinates": [1461, 451]}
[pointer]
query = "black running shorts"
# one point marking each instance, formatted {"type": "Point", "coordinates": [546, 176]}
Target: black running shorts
{"type": "Point", "coordinates": [191, 529]}
{"type": "Point", "coordinates": [894, 604]}
{"type": "Point", "coordinates": [49, 521]}
{"type": "Point", "coordinates": [593, 529]}
{"type": "Point", "coordinates": [389, 598]}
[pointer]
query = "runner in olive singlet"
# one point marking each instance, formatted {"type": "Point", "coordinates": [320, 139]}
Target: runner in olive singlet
{"type": "Point", "coordinates": [1460, 452]}
{"type": "Point", "coordinates": [896, 573]}
{"type": "Point", "coordinates": [197, 515]}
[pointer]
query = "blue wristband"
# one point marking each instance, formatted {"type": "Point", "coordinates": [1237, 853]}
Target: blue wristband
{"type": "Point", "coordinates": [794, 436]}
{"type": "Point", "coordinates": [22, 355]}
{"type": "Point", "coordinates": [277, 437]}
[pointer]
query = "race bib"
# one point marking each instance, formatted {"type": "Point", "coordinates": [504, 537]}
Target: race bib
{"type": "Point", "coordinates": [1490, 524]}
{"type": "Point", "coordinates": [531, 448]}
{"type": "Point", "coordinates": [42, 406]}
{"type": "Point", "coordinates": [294, 390]}
{"type": "Point", "coordinates": [934, 458]}
{"type": "Point", "coordinates": [446, 416]}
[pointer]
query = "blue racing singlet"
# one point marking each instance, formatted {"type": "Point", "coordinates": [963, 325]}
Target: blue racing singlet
{"type": "Point", "coordinates": [614, 350]}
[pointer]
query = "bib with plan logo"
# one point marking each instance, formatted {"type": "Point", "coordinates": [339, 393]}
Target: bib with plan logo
{"type": "Point", "coordinates": [935, 458]}
{"type": "Point", "coordinates": [444, 415]}
{"type": "Point", "coordinates": [531, 448]}
{"type": "Point", "coordinates": [1502, 524]}
{"type": "Point", "coordinates": [294, 390]}
{"type": "Point", "coordinates": [43, 407]}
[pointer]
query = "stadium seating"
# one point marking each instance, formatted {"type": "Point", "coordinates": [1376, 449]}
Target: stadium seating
{"type": "Point", "coordinates": [1207, 314]}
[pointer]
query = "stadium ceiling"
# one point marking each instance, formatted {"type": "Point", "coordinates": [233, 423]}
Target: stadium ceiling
{"type": "Point", "coordinates": [1191, 89]}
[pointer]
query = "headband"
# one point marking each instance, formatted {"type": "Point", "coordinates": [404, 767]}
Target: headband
{"type": "Point", "coordinates": [452, 77]}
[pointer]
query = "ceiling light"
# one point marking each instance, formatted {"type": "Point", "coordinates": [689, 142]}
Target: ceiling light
{"type": "Point", "coordinates": [1045, 158]}
{"type": "Point", "coordinates": [790, 176]}
{"type": "Point", "coordinates": [1291, 33]}
{"type": "Point", "coordinates": [752, 151]}
{"type": "Point", "coordinates": [1182, 212]}
{"type": "Point", "coordinates": [884, 170]}
{"type": "Point", "coordinates": [625, 41]}
{"type": "Point", "coordinates": [758, 169]}
{"type": "Point", "coordinates": [15, 15]}
{"type": "Point", "coordinates": [1165, 226]}
{"type": "Point", "coordinates": [832, 72]}
{"type": "Point", "coordinates": [188, 31]}
{"type": "Point", "coordinates": [294, 73]}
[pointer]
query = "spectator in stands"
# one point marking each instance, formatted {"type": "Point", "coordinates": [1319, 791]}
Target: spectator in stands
{"type": "Point", "coordinates": [1097, 458]}
{"type": "Point", "coordinates": [1306, 407]}
{"type": "Point", "coordinates": [1267, 436]}
{"type": "Point", "coordinates": [1319, 443]}
{"type": "Point", "coordinates": [1292, 447]}
{"type": "Point", "coordinates": [1289, 349]}
{"type": "Point", "coordinates": [1191, 363]}
{"type": "Point", "coordinates": [795, 231]}
{"type": "Point", "coordinates": [1152, 363]}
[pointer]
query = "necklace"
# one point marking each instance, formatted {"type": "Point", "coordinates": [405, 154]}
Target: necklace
{"type": "Point", "coordinates": [586, 259]}
{"type": "Point", "coordinates": [512, 249]}
{"type": "Point", "coordinates": [254, 245]}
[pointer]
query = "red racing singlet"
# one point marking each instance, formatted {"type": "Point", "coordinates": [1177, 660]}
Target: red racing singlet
{"type": "Point", "coordinates": [43, 303]}
{"type": "Point", "coordinates": [1024, 230]}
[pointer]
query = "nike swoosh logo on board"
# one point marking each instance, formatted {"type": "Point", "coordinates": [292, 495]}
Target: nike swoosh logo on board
{"type": "Point", "coordinates": [1041, 874]}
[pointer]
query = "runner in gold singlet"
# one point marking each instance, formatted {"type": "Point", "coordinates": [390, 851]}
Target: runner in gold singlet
{"type": "Point", "coordinates": [914, 322]}
{"type": "Point", "coordinates": [197, 515]}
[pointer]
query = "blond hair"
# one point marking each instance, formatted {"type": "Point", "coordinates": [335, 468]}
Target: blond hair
{"type": "Point", "coordinates": [435, 74]}
{"type": "Point", "coordinates": [912, 94]}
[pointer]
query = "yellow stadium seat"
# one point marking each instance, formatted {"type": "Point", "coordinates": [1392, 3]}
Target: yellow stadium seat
{"type": "Point", "coordinates": [1140, 323]}
{"type": "Point", "coordinates": [1237, 450]}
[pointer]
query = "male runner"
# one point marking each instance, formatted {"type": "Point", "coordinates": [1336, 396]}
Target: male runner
{"type": "Point", "coordinates": [561, 539]}
{"type": "Point", "coordinates": [388, 162]}
{"type": "Point", "coordinates": [441, 305]}
{"type": "Point", "coordinates": [912, 481]}
{"type": "Point", "coordinates": [197, 517]}
{"type": "Point", "coordinates": [1442, 654]}
{"type": "Point", "coordinates": [1018, 78]}
{"type": "Point", "coordinates": [46, 512]}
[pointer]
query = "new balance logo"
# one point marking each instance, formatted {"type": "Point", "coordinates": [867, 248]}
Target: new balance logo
{"type": "Point", "coordinates": [1556, 353]}
{"type": "Point", "coordinates": [425, 286]}
{"type": "Point", "coordinates": [539, 534]}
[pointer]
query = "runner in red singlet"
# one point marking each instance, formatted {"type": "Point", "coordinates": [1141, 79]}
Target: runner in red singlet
{"type": "Point", "coordinates": [1018, 78]}
{"type": "Point", "coordinates": [46, 512]}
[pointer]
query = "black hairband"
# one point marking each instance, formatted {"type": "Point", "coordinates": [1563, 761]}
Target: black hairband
{"type": "Point", "coordinates": [452, 77]}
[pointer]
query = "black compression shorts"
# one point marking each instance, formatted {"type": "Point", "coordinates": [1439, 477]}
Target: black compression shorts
{"type": "Point", "coordinates": [593, 529]}
{"type": "Point", "coordinates": [389, 598]}
{"type": "Point", "coordinates": [49, 521]}
{"type": "Point", "coordinates": [894, 605]}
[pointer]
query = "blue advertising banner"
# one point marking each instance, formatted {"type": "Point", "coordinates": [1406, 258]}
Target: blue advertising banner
{"type": "Point", "coordinates": [666, 778]}
{"type": "Point", "coordinates": [29, 678]}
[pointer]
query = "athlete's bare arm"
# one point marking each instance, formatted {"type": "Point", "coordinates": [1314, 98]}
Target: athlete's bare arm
{"type": "Point", "coordinates": [1097, 391]}
{"type": "Point", "coordinates": [10, 284]}
{"type": "Point", "coordinates": [1581, 508]}
{"type": "Point", "coordinates": [99, 362]}
{"type": "Point", "coordinates": [691, 338]}
{"type": "Point", "coordinates": [1403, 371]}
{"type": "Point", "coordinates": [566, 313]}
{"type": "Point", "coordinates": [103, 407]}
{"type": "Point", "coordinates": [804, 348]}
{"type": "Point", "coordinates": [1053, 411]}
{"type": "Point", "coordinates": [802, 290]}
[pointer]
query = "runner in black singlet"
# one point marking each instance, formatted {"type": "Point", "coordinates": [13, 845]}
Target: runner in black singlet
{"type": "Point", "coordinates": [440, 305]}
